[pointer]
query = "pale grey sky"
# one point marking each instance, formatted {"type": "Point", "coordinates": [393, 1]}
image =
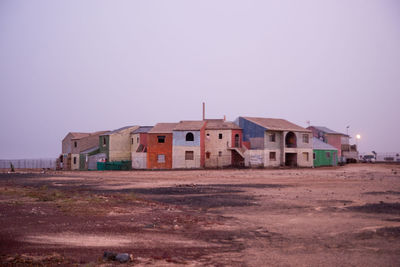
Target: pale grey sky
{"type": "Point", "coordinates": [100, 65]}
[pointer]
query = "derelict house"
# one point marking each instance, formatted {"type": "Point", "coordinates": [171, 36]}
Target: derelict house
{"type": "Point", "coordinates": [139, 147]}
{"type": "Point", "coordinates": [188, 148]}
{"type": "Point", "coordinates": [338, 140]}
{"type": "Point", "coordinates": [223, 144]}
{"type": "Point", "coordinates": [275, 142]}
{"type": "Point", "coordinates": [73, 145]}
{"type": "Point", "coordinates": [159, 146]}
{"type": "Point", "coordinates": [116, 145]}
{"type": "Point", "coordinates": [324, 154]}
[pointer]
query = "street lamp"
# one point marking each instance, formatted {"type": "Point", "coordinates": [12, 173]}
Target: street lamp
{"type": "Point", "coordinates": [358, 137]}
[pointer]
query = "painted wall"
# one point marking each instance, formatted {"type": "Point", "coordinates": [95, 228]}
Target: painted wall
{"type": "Point", "coordinates": [135, 142]}
{"type": "Point", "coordinates": [237, 132]}
{"type": "Point", "coordinates": [139, 160]}
{"type": "Point", "coordinates": [179, 161]}
{"type": "Point", "coordinates": [154, 148]}
{"type": "Point", "coordinates": [120, 145]}
{"type": "Point", "coordinates": [335, 140]}
{"type": "Point", "coordinates": [179, 138]}
{"type": "Point", "coordinates": [74, 161]}
{"type": "Point", "coordinates": [252, 133]}
{"type": "Point", "coordinates": [104, 145]}
{"type": "Point", "coordinates": [214, 145]}
{"type": "Point", "coordinates": [321, 158]}
{"type": "Point", "coordinates": [84, 143]}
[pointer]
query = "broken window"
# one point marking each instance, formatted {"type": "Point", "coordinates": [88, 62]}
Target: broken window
{"type": "Point", "coordinates": [104, 141]}
{"type": "Point", "coordinates": [161, 138]}
{"type": "Point", "coordinates": [313, 156]}
{"type": "Point", "coordinates": [75, 144]}
{"type": "Point", "coordinates": [272, 137]}
{"type": "Point", "coordinates": [189, 155]}
{"type": "Point", "coordinates": [208, 154]}
{"type": "Point", "coordinates": [161, 158]}
{"type": "Point", "coordinates": [189, 137]}
{"type": "Point", "coordinates": [272, 155]}
{"type": "Point", "coordinates": [74, 160]}
{"type": "Point", "coordinates": [305, 138]}
{"type": "Point", "coordinates": [220, 136]}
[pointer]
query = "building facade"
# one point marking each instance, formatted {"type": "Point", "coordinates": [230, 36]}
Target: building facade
{"type": "Point", "coordinates": [188, 145]}
{"type": "Point", "coordinates": [116, 145]}
{"type": "Point", "coordinates": [159, 146]}
{"type": "Point", "coordinates": [324, 154]}
{"type": "Point", "coordinates": [275, 142]}
{"type": "Point", "coordinates": [139, 147]}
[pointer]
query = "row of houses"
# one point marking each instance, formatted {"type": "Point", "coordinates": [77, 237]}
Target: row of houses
{"type": "Point", "coordinates": [207, 143]}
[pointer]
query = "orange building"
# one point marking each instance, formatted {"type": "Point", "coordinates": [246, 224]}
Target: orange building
{"type": "Point", "coordinates": [159, 146]}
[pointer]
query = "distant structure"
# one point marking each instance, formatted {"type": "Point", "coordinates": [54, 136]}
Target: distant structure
{"type": "Point", "coordinates": [338, 140]}
{"type": "Point", "coordinates": [324, 154]}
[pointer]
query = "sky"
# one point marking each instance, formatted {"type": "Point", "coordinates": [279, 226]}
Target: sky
{"type": "Point", "coordinates": [100, 65]}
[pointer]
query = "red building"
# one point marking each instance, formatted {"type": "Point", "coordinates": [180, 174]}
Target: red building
{"type": "Point", "coordinates": [159, 146]}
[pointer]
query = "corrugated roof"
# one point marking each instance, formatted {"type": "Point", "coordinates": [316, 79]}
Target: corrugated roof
{"type": "Point", "coordinates": [326, 130]}
{"type": "Point", "coordinates": [219, 124]}
{"type": "Point", "coordinates": [142, 129]}
{"type": "Point", "coordinates": [277, 124]}
{"type": "Point", "coordinates": [189, 126]}
{"type": "Point", "coordinates": [320, 145]}
{"type": "Point", "coordinates": [119, 130]}
{"type": "Point", "coordinates": [163, 128]}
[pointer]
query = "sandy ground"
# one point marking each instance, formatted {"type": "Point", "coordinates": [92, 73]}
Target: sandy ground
{"type": "Point", "coordinates": [344, 216]}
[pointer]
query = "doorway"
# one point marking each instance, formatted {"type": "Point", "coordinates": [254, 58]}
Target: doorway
{"type": "Point", "coordinates": [291, 159]}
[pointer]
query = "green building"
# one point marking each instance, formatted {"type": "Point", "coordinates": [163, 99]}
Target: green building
{"type": "Point", "coordinates": [324, 154]}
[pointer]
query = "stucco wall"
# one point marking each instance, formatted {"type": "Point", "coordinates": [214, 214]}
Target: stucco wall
{"type": "Point", "coordinates": [120, 145]}
{"type": "Point", "coordinates": [301, 162]}
{"type": "Point", "coordinates": [335, 140]}
{"type": "Point", "coordinates": [179, 161]}
{"type": "Point", "coordinates": [179, 138]}
{"type": "Point", "coordinates": [75, 166]}
{"type": "Point", "coordinates": [214, 145]}
{"type": "Point", "coordinates": [134, 142]}
{"type": "Point", "coordinates": [273, 145]}
{"type": "Point", "coordinates": [139, 160]}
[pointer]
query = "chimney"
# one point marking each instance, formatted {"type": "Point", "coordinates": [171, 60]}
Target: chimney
{"type": "Point", "coordinates": [204, 111]}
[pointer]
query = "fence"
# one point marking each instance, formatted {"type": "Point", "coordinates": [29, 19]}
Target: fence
{"type": "Point", "coordinates": [28, 163]}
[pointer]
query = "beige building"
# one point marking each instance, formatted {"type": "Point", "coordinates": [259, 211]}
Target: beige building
{"type": "Point", "coordinates": [116, 145]}
{"type": "Point", "coordinates": [73, 144]}
{"type": "Point", "coordinates": [223, 144]}
{"type": "Point", "coordinates": [276, 142]}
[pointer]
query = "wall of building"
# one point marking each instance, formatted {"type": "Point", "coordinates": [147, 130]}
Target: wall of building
{"type": "Point", "coordinates": [154, 149]}
{"type": "Point", "coordinates": [335, 140]}
{"type": "Point", "coordinates": [252, 133]}
{"type": "Point", "coordinates": [66, 147]}
{"type": "Point", "coordinates": [74, 161]}
{"type": "Point", "coordinates": [214, 145]}
{"type": "Point", "coordinates": [120, 145]}
{"type": "Point", "coordinates": [135, 142]}
{"type": "Point", "coordinates": [139, 160]}
{"type": "Point", "coordinates": [84, 143]}
{"type": "Point", "coordinates": [273, 145]}
{"type": "Point", "coordinates": [179, 161]}
{"type": "Point", "coordinates": [237, 132]}
{"type": "Point", "coordinates": [104, 145]}
{"type": "Point", "coordinates": [254, 158]}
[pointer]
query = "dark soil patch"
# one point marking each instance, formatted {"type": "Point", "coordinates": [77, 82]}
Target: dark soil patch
{"type": "Point", "coordinates": [383, 193]}
{"type": "Point", "coordinates": [382, 207]}
{"type": "Point", "coordinates": [386, 232]}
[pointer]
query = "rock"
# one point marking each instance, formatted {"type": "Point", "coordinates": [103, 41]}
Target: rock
{"type": "Point", "coordinates": [122, 257]}
{"type": "Point", "coordinates": [109, 255]}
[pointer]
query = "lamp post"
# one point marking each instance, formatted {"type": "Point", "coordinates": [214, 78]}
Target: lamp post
{"type": "Point", "coordinates": [358, 137]}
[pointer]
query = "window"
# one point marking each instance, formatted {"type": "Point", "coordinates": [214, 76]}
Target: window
{"type": "Point", "coordinates": [189, 155]}
{"type": "Point", "coordinates": [220, 154]}
{"type": "Point", "coordinates": [161, 158]}
{"type": "Point", "coordinates": [74, 160]}
{"type": "Point", "coordinates": [137, 140]}
{"type": "Point", "coordinates": [272, 155]}
{"type": "Point", "coordinates": [313, 155]}
{"type": "Point", "coordinates": [220, 136]}
{"type": "Point", "coordinates": [104, 141]}
{"type": "Point", "coordinates": [208, 154]}
{"type": "Point", "coordinates": [132, 141]}
{"type": "Point", "coordinates": [328, 155]}
{"type": "Point", "coordinates": [272, 137]}
{"type": "Point", "coordinates": [161, 139]}
{"type": "Point", "coordinates": [305, 155]}
{"type": "Point", "coordinates": [75, 144]}
{"type": "Point", "coordinates": [305, 138]}
{"type": "Point", "coordinates": [189, 137]}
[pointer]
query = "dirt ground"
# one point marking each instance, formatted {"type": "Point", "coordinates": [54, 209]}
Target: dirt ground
{"type": "Point", "coordinates": [344, 216]}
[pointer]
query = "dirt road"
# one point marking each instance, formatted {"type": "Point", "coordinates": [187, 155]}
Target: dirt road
{"type": "Point", "coordinates": [345, 216]}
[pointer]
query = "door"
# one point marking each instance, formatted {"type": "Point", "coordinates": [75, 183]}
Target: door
{"type": "Point", "coordinates": [237, 140]}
